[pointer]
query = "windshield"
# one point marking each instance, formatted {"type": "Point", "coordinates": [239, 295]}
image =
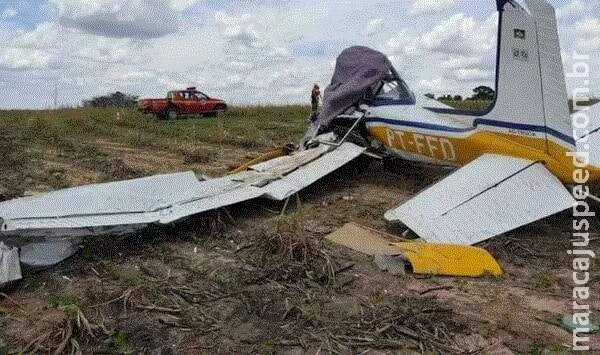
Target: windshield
{"type": "Point", "coordinates": [194, 95]}
{"type": "Point", "coordinates": [394, 88]}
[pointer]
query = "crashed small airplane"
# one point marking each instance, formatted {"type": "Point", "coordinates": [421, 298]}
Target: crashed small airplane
{"type": "Point", "coordinates": [516, 157]}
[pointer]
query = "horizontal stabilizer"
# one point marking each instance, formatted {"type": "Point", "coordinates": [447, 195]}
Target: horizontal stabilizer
{"type": "Point", "coordinates": [490, 196]}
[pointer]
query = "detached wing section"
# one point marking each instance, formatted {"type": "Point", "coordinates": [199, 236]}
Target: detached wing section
{"type": "Point", "coordinates": [490, 196]}
{"type": "Point", "coordinates": [127, 206]}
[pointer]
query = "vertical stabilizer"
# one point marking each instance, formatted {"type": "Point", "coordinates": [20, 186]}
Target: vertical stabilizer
{"type": "Point", "coordinates": [554, 86]}
{"type": "Point", "coordinates": [531, 89]}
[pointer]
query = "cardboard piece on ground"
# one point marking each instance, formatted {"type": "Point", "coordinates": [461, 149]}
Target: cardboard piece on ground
{"type": "Point", "coordinates": [425, 258]}
{"type": "Point", "coordinates": [364, 240]}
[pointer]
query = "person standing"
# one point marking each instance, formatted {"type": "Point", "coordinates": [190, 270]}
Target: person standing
{"type": "Point", "coordinates": [315, 98]}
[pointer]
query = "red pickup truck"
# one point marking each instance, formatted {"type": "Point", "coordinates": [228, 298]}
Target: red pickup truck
{"type": "Point", "coordinates": [183, 102]}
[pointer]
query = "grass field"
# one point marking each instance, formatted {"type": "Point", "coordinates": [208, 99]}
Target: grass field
{"type": "Point", "coordinates": [83, 136]}
{"type": "Point", "coordinates": [254, 279]}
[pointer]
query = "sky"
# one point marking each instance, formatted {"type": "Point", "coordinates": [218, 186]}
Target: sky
{"type": "Point", "coordinates": [254, 51]}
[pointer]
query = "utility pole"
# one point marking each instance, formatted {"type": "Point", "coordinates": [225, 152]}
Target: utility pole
{"type": "Point", "coordinates": [55, 95]}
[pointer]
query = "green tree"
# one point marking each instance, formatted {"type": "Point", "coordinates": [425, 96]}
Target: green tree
{"type": "Point", "coordinates": [116, 99]}
{"type": "Point", "coordinates": [484, 93]}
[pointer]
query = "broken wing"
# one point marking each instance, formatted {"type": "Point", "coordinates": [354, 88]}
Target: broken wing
{"type": "Point", "coordinates": [492, 195]}
{"type": "Point", "coordinates": [127, 206]}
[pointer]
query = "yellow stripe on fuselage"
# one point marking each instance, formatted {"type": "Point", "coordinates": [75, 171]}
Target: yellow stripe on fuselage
{"type": "Point", "coordinates": [464, 148]}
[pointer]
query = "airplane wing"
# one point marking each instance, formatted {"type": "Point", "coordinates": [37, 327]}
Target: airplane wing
{"type": "Point", "coordinates": [126, 206]}
{"type": "Point", "coordinates": [492, 195]}
{"type": "Point", "coordinates": [49, 228]}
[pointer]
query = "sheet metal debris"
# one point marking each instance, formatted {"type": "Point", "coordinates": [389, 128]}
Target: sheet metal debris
{"type": "Point", "coordinates": [424, 258]}
{"type": "Point", "coordinates": [128, 206]}
{"type": "Point", "coordinates": [10, 268]}
{"type": "Point", "coordinates": [394, 264]}
{"type": "Point", "coordinates": [449, 260]}
{"type": "Point", "coordinates": [492, 195]}
{"type": "Point", "coordinates": [41, 255]}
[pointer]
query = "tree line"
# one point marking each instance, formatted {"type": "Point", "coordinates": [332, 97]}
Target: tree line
{"type": "Point", "coordinates": [116, 99]}
{"type": "Point", "coordinates": [480, 93]}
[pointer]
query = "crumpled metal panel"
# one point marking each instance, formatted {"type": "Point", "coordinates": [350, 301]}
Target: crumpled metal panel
{"type": "Point", "coordinates": [10, 268]}
{"type": "Point", "coordinates": [449, 260]}
{"type": "Point", "coordinates": [127, 206]}
{"type": "Point", "coordinates": [307, 175]}
{"type": "Point", "coordinates": [132, 196]}
{"type": "Point", "coordinates": [490, 196]}
{"type": "Point", "coordinates": [87, 210]}
{"type": "Point", "coordinates": [41, 255]}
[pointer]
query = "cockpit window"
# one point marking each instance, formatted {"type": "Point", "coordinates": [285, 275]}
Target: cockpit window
{"type": "Point", "coordinates": [394, 88]}
{"type": "Point", "coordinates": [389, 90]}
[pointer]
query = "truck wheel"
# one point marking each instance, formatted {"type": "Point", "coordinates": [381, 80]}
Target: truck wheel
{"type": "Point", "coordinates": [219, 109]}
{"type": "Point", "coordinates": [171, 113]}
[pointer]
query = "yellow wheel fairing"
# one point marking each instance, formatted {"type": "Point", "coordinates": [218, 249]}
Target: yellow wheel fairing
{"type": "Point", "coordinates": [449, 260]}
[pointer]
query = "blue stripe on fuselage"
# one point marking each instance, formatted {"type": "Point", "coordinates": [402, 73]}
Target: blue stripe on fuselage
{"type": "Point", "coordinates": [476, 123]}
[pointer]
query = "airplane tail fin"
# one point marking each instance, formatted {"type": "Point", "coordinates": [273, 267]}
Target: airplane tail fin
{"type": "Point", "coordinates": [531, 92]}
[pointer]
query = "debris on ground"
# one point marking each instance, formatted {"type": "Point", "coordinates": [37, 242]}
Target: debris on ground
{"type": "Point", "coordinates": [394, 264]}
{"type": "Point", "coordinates": [129, 206]}
{"type": "Point", "coordinates": [364, 240]}
{"type": "Point", "coordinates": [424, 258]}
{"type": "Point", "coordinates": [10, 268]}
{"type": "Point", "coordinates": [449, 260]}
{"type": "Point", "coordinates": [568, 323]}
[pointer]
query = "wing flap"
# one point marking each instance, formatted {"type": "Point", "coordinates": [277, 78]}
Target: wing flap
{"type": "Point", "coordinates": [491, 196]}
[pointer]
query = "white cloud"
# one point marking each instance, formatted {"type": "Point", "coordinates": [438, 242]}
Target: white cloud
{"type": "Point", "coordinates": [249, 41]}
{"type": "Point", "coordinates": [422, 7]}
{"type": "Point", "coordinates": [44, 35]}
{"type": "Point", "coordinates": [8, 13]}
{"type": "Point", "coordinates": [461, 34]}
{"type": "Point", "coordinates": [402, 44]}
{"type": "Point", "coordinates": [239, 66]}
{"type": "Point", "coordinates": [241, 31]}
{"type": "Point", "coordinates": [66, 44]}
{"type": "Point", "coordinates": [22, 59]}
{"type": "Point", "coordinates": [433, 85]}
{"type": "Point", "coordinates": [250, 51]}
{"type": "Point", "coordinates": [576, 8]}
{"type": "Point", "coordinates": [587, 34]}
{"type": "Point", "coordinates": [119, 18]}
{"type": "Point", "coordinates": [460, 62]}
{"type": "Point", "coordinates": [50, 51]}
{"type": "Point", "coordinates": [374, 27]}
{"type": "Point", "coordinates": [471, 74]}
{"type": "Point", "coordinates": [182, 5]}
